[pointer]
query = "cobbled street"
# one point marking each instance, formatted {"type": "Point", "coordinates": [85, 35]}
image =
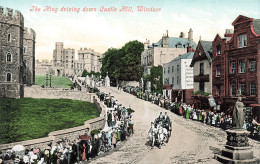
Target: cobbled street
{"type": "Point", "coordinates": [190, 142]}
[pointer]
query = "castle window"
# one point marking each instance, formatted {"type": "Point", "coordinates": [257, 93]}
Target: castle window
{"type": "Point", "coordinates": [242, 40]}
{"type": "Point", "coordinates": [8, 76]}
{"type": "Point", "coordinates": [24, 50]}
{"type": "Point", "coordinates": [9, 57]}
{"type": "Point", "coordinates": [9, 38]}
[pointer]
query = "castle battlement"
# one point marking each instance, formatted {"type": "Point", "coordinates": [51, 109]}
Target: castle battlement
{"type": "Point", "coordinates": [86, 50]}
{"type": "Point", "coordinates": [29, 33]}
{"type": "Point", "coordinates": [10, 16]}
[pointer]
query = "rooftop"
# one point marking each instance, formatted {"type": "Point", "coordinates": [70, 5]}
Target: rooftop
{"type": "Point", "coordinates": [256, 26]}
{"type": "Point", "coordinates": [207, 46]}
{"type": "Point", "coordinates": [175, 42]}
{"type": "Point", "coordinates": [188, 55]}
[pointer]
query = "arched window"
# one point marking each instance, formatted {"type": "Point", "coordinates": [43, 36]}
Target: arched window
{"type": "Point", "coordinates": [9, 37]}
{"type": "Point", "coordinates": [9, 57]}
{"type": "Point", "coordinates": [8, 76]}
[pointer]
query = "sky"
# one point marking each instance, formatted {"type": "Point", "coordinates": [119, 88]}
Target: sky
{"type": "Point", "coordinates": [103, 30]}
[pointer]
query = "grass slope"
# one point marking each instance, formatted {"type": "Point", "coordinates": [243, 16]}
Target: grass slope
{"type": "Point", "coordinates": [56, 81]}
{"type": "Point", "coordinates": [28, 118]}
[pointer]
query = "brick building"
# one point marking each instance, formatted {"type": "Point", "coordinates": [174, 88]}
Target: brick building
{"type": "Point", "coordinates": [17, 54]}
{"type": "Point", "coordinates": [236, 63]}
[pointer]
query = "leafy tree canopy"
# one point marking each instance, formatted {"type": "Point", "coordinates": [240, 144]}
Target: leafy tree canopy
{"type": "Point", "coordinates": [123, 63]}
{"type": "Point", "coordinates": [156, 78]}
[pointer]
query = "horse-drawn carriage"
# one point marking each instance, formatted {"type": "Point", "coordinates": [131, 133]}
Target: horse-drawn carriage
{"type": "Point", "coordinates": [160, 132]}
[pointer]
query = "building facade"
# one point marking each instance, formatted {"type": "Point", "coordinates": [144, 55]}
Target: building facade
{"type": "Point", "coordinates": [178, 78]}
{"type": "Point", "coordinates": [44, 67]}
{"type": "Point", "coordinates": [89, 60]}
{"type": "Point", "coordinates": [236, 63]}
{"type": "Point", "coordinates": [63, 60]}
{"type": "Point", "coordinates": [16, 67]}
{"type": "Point", "coordinates": [65, 63]}
{"type": "Point", "coordinates": [202, 71]}
{"type": "Point", "coordinates": [165, 50]}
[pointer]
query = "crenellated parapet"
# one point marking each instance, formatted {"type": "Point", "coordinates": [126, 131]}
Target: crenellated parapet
{"type": "Point", "coordinates": [29, 34]}
{"type": "Point", "coordinates": [9, 16]}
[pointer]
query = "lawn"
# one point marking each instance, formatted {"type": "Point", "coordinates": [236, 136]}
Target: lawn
{"type": "Point", "coordinates": [28, 118]}
{"type": "Point", "coordinates": [56, 81]}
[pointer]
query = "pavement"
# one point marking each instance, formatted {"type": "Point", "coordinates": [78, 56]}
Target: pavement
{"type": "Point", "coordinates": [190, 142]}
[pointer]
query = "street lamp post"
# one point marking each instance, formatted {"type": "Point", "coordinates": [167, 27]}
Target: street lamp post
{"type": "Point", "coordinates": [50, 80]}
{"type": "Point", "coordinates": [47, 80]}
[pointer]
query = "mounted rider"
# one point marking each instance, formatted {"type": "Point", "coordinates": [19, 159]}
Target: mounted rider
{"type": "Point", "coordinates": [166, 118]}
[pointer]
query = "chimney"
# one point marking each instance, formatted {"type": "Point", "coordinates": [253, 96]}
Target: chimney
{"type": "Point", "coordinates": [190, 34]}
{"type": "Point", "coordinates": [146, 44]}
{"type": "Point", "coordinates": [182, 35]}
{"type": "Point", "coordinates": [165, 40]}
{"type": "Point", "coordinates": [229, 32]}
{"type": "Point", "coordinates": [189, 48]}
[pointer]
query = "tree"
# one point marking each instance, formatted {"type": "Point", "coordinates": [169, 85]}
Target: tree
{"type": "Point", "coordinates": [123, 63]}
{"type": "Point", "coordinates": [84, 73]}
{"type": "Point", "coordinates": [156, 79]}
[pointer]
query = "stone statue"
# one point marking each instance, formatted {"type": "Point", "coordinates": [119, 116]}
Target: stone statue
{"type": "Point", "coordinates": [238, 113]}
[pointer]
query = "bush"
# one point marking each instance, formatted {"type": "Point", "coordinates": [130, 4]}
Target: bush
{"type": "Point", "coordinates": [199, 92]}
{"type": "Point", "coordinates": [93, 132]}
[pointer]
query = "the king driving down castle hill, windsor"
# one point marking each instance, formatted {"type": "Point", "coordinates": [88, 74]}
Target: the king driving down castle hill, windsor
{"type": "Point", "coordinates": [129, 82]}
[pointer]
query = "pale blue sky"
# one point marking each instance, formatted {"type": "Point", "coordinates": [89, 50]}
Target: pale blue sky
{"type": "Point", "coordinates": [104, 30]}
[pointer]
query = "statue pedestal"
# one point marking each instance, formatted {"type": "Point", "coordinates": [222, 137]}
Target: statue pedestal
{"type": "Point", "coordinates": [237, 149]}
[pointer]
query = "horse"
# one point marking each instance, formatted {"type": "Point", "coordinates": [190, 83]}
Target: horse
{"type": "Point", "coordinates": [158, 135]}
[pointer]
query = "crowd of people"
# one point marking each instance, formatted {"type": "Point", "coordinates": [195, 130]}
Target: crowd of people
{"type": "Point", "coordinates": [210, 116]}
{"type": "Point", "coordinates": [85, 147]}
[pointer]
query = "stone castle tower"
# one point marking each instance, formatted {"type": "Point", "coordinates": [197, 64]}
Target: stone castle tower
{"type": "Point", "coordinates": [29, 56]}
{"type": "Point", "coordinates": [63, 60]}
{"type": "Point", "coordinates": [11, 53]}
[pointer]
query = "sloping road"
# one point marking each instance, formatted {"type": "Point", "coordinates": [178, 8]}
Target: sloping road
{"type": "Point", "coordinates": [190, 141]}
